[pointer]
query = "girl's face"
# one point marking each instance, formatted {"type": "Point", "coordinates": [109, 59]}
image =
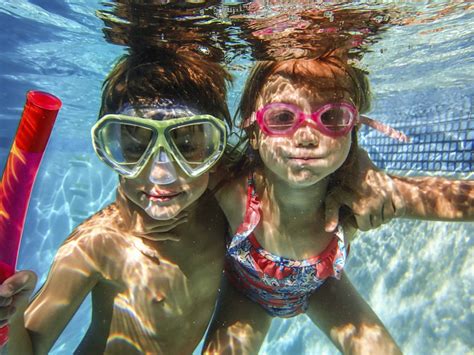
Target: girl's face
{"type": "Point", "coordinates": [307, 156]}
{"type": "Point", "coordinates": [163, 201]}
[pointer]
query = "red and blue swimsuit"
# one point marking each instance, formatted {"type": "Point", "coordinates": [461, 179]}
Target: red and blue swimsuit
{"type": "Point", "coordinates": [281, 286]}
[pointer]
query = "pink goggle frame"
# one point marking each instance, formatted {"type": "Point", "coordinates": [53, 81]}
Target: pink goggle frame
{"type": "Point", "coordinates": [332, 119]}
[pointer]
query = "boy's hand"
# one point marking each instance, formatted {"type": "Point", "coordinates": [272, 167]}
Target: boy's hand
{"type": "Point", "coordinates": [372, 196]}
{"type": "Point", "coordinates": [15, 293]}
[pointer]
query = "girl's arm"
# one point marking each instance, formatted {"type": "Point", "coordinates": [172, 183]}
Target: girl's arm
{"type": "Point", "coordinates": [375, 197]}
{"type": "Point", "coordinates": [72, 276]}
{"type": "Point", "coordinates": [367, 193]}
{"type": "Point", "coordinates": [436, 198]}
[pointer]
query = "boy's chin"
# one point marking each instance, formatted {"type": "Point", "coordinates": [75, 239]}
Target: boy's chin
{"type": "Point", "coordinates": [163, 214]}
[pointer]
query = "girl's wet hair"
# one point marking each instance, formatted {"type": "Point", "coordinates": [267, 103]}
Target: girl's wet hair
{"type": "Point", "coordinates": [307, 74]}
{"type": "Point", "coordinates": [179, 75]}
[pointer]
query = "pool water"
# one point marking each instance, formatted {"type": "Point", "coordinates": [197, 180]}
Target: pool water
{"type": "Point", "coordinates": [417, 276]}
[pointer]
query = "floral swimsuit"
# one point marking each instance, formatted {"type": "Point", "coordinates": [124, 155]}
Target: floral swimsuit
{"type": "Point", "coordinates": [281, 286]}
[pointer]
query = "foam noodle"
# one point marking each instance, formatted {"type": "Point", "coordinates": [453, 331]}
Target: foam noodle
{"type": "Point", "coordinates": [39, 115]}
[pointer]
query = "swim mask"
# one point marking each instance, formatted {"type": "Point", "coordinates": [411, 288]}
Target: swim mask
{"type": "Point", "coordinates": [126, 143]}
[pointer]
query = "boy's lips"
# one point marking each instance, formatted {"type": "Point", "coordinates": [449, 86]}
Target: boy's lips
{"type": "Point", "coordinates": [162, 195]}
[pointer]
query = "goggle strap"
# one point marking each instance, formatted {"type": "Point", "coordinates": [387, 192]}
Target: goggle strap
{"type": "Point", "coordinates": [385, 129]}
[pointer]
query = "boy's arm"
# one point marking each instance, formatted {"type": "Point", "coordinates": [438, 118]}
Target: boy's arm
{"type": "Point", "coordinates": [436, 198]}
{"type": "Point", "coordinates": [71, 278]}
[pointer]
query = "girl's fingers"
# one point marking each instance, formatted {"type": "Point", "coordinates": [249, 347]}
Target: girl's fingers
{"type": "Point", "coordinates": [388, 211]}
{"type": "Point", "coordinates": [363, 222]}
{"type": "Point", "coordinates": [167, 225]}
{"type": "Point", "coordinates": [5, 301]}
{"type": "Point", "coordinates": [160, 236]}
{"type": "Point", "coordinates": [166, 228]}
{"type": "Point", "coordinates": [398, 205]}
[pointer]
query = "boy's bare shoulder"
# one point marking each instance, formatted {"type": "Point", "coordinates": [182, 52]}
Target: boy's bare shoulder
{"type": "Point", "coordinates": [101, 228]}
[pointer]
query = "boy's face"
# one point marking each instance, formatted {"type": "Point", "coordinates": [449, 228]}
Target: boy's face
{"type": "Point", "coordinates": [163, 201]}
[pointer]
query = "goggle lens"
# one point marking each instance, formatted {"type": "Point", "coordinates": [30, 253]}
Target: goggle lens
{"type": "Point", "coordinates": [337, 119]}
{"type": "Point", "coordinates": [196, 143]}
{"type": "Point", "coordinates": [280, 119]}
{"type": "Point", "coordinates": [125, 144]}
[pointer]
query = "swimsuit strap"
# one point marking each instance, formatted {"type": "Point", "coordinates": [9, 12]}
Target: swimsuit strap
{"type": "Point", "coordinates": [252, 209]}
{"type": "Point", "coordinates": [251, 192]}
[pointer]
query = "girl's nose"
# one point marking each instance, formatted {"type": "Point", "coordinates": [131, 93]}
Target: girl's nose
{"type": "Point", "coordinates": [307, 135]}
{"type": "Point", "coordinates": [162, 170]}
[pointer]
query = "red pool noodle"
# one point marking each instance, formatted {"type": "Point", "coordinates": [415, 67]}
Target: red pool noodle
{"type": "Point", "coordinates": [37, 120]}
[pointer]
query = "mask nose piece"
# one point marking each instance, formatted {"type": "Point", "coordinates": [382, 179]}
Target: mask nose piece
{"type": "Point", "coordinates": [162, 171]}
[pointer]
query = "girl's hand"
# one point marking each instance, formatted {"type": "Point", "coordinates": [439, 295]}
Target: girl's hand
{"type": "Point", "coordinates": [158, 230]}
{"type": "Point", "coordinates": [15, 293]}
{"type": "Point", "coordinates": [372, 197]}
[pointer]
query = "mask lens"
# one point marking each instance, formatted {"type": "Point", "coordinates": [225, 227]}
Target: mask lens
{"type": "Point", "coordinates": [279, 119]}
{"type": "Point", "coordinates": [125, 144]}
{"type": "Point", "coordinates": [337, 119]}
{"type": "Point", "coordinates": [196, 143]}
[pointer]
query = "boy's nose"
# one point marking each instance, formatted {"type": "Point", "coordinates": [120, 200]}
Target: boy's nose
{"type": "Point", "coordinates": [162, 170]}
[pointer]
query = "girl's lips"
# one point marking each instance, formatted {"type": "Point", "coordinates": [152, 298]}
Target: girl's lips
{"type": "Point", "coordinates": [304, 158]}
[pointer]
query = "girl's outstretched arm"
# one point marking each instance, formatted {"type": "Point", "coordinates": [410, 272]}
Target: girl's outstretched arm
{"type": "Point", "coordinates": [437, 198]}
{"type": "Point", "coordinates": [239, 325]}
{"type": "Point", "coordinates": [370, 194]}
{"type": "Point", "coordinates": [375, 197]}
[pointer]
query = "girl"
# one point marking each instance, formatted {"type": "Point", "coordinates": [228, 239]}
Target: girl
{"type": "Point", "coordinates": [301, 116]}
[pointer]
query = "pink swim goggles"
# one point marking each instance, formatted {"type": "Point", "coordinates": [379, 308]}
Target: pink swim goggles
{"type": "Point", "coordinates": [333, 120]}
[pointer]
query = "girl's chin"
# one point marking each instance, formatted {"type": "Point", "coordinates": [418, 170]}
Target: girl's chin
{"type": "Point", "coordinates": [303, 179]}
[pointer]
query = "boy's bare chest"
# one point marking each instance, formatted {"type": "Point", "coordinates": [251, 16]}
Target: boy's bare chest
{"type": "Point", "coordinates": [161, 305]}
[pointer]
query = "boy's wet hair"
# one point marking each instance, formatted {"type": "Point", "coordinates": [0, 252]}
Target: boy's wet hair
{"type": "Point", "coordinates": [167, 73]}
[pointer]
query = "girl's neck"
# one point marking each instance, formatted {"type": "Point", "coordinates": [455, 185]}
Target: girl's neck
{"type": "Point", "coordinates": [292, 201]}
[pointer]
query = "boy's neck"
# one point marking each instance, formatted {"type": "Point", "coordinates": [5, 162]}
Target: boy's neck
{"type": "Point", "coordinates": [136, 221]}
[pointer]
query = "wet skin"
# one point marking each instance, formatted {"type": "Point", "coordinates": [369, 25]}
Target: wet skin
{"type": "Point", "coordinates": [147, 296]}
{"type": "Point", "coordinates": [292, 185]}
{"type": "Point", "coordinates": [152, 262]}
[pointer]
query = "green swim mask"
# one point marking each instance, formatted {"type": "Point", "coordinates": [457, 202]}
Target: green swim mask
{"type": "Point", "coordinates": [126, 143]}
